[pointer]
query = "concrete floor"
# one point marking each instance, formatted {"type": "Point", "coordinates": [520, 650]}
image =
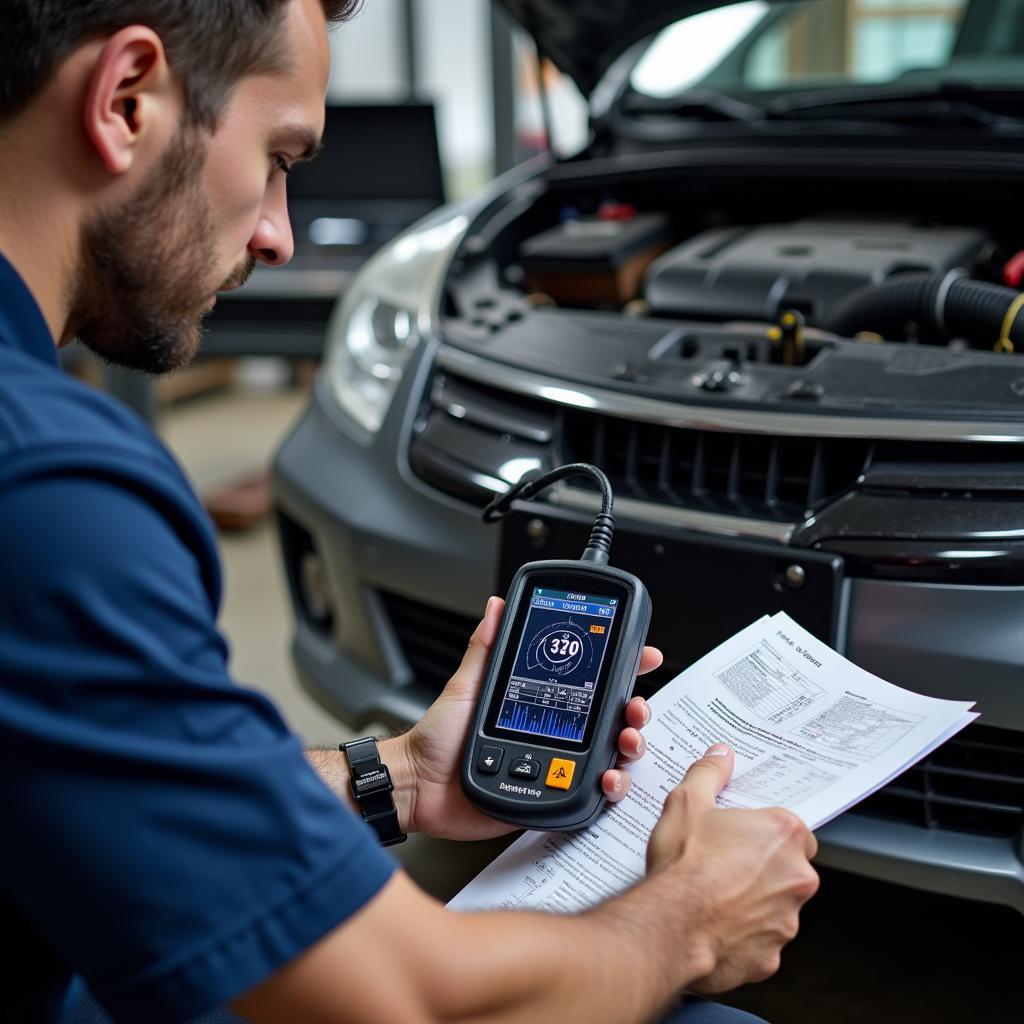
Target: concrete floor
{"type": "Point", "coordinates": [866, 952]}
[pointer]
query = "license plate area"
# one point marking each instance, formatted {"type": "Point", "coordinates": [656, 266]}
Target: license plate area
{"type": "Point", "coordinates": [704, 588]}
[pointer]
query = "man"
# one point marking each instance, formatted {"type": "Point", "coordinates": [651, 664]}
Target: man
{"type": "Point", "coordinates": [165, 838]}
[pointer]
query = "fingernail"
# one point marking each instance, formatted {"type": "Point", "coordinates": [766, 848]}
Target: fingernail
{"type": "Point", "coordinates": [618, 782]}
{"type": "Point", "coordinates": [718, 750]}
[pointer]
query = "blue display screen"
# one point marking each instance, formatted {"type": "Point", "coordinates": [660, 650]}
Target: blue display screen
{"type": "Point", "coordinates": [554, 677]}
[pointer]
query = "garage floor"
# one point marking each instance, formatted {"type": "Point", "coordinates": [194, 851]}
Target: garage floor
{"type": "Point", "coordinates": [867, 951]}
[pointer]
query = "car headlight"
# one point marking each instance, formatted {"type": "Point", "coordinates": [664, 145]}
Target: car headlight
{"type": "Point", "coordinates": [383, 316]}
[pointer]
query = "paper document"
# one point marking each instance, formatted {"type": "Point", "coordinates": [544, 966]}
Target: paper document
{"type": "Point", "coordinates": [811, 732]}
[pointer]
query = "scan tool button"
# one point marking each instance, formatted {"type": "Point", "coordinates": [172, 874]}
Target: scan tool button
{"type": "Point", "coordinates": [524, 768]}
{"type": "Point", "coordinates": [488, 761]}
{"type": "Point", "coordinates": [560, 773]}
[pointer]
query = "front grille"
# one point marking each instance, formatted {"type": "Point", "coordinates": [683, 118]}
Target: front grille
{"type": "Point", "coordinates": [752, 475]}
{"type": "Point", "coordinates": [433, 640]}
{"type": "Point", "coordinates": [472, 440]}
{"type": "Point", "coordinates": [972, 783]}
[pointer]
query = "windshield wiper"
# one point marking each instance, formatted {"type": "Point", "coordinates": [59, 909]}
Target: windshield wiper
{"type": "Point", "coordinates": [942, 103]}
{"type": "Point", "coordinates": [697, 104]}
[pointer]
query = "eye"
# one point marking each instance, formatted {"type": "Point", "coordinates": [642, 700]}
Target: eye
{"type": "Point", "coordinates": [282, 165]}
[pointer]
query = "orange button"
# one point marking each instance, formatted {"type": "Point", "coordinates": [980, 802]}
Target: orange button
{"type": "Point", "coordinates": [560, 773]}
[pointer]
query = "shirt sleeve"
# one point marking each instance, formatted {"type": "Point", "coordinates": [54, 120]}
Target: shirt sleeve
{"type": "Point", "coordinates": [162, 827]}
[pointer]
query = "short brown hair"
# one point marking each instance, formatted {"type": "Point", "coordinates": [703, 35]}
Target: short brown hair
{"type": "Point", "coordinates": [210, 44]}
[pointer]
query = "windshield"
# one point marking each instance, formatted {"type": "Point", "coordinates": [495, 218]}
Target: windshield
{"type": "Point", "coordinates": [774, 48]}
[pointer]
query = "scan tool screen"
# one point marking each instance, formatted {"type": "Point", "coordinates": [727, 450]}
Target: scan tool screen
{"type": "Point", "coordinates": [554, 680]}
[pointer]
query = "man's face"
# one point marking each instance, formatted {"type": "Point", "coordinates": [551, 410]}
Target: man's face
{"type": "Point", "coordinates": [202, 219]}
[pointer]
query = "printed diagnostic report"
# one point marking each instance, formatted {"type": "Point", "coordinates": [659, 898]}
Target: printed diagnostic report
{"type": "Point", "coordinates": [811, 732]}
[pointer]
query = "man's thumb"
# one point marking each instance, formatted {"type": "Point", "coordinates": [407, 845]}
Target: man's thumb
{"type": "Point", "coordinates": [707, 777]}
{"type": "Point", "coordinates": [704, 780]}
{"type": "Point", "coordinates": [474, 661]}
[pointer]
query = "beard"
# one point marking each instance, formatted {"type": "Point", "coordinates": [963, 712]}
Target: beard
{"type": "Point", "coordinates": [145, 269]}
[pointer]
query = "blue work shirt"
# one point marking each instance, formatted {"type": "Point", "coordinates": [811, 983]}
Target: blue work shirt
{"type": "Point", "coordinates": [162, 833]}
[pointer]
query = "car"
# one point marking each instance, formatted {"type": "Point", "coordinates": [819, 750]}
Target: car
{"type": "Point", "coordinates": [776, 299]}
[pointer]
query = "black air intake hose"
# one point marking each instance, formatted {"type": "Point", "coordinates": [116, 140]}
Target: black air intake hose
{"type": "Point", "coordinates": [943, 306]}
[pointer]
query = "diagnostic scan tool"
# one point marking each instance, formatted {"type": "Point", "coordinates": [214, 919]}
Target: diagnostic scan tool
{"type": "Point", "coordinates": [561, 671]}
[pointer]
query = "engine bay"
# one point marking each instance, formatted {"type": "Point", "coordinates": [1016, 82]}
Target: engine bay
{"type": "Point", "coordinates": [875, 303]}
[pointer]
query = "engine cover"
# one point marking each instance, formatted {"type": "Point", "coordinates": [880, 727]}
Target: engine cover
{"type": "Point", "coordinates": [741, 273]}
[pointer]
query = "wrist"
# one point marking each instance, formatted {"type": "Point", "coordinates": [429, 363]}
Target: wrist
{"type": "Point", "coordinates": [395, 754]}
{"type": "Point", "coordinates": [661, 919]}
{"type": "Point", "coordinates": [332, 766]}
{"type": "Point", "coordinates": [374, 789]}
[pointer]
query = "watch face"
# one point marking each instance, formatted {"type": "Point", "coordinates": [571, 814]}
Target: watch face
{"type": "Point", "coordinates": [376, 779]}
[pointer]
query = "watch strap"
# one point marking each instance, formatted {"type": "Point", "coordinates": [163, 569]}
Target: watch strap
{"type": "Point", "coordinates": [371, 785]}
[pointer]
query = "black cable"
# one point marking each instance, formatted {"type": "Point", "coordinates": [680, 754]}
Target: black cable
{"type": "Point", "coordinates": [600, 543]}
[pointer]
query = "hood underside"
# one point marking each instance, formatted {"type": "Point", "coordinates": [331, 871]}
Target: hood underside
{"type": "Point", "coordinates": [584, 37]}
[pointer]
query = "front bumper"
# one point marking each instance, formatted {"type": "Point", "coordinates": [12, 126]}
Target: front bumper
{"type": "Point", "coordinates": [380, 536]}
{"type": "Point", "coordinates": [400, 559]}
{"type": "Point", "coordinates": [975, 867]}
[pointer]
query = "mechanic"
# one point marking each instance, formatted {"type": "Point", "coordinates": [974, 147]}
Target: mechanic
{"type": "Point", "coordinates": [165, 837]}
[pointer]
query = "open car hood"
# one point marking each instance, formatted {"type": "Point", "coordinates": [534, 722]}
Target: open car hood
{"type": "Point", "coordinates": [584, 37]}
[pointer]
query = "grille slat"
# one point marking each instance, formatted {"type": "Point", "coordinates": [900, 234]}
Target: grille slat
{"type": "Point", "coordinates": [699, 476]}
{"type": "Point", "coordinates": [771, 484]}
{"type": "Point", "coordinates": [974, 783]}
{"type": "Point", "coordinates": [964, 773]}
{"type": "Point", "coordinates": [978, 805]}
{"type": "Point", "coordinates": [665, 467]}
{"type": "Point", "coordinates": [895, 792]}
{"type": "Point", "coordinates": [632, 459]}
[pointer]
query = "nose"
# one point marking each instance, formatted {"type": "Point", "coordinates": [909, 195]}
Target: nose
{"type": "Point", "coordinates": [272, 242]}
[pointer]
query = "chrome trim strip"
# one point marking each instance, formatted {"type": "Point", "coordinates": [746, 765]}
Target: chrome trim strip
{"type": "Point", "coordinates": [655, 410]}
{"type": "Point", "coordinates": [671, 515]}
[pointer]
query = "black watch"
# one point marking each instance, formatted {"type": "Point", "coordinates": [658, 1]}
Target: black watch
{"type": "Point", "coordinates": [372, 788]}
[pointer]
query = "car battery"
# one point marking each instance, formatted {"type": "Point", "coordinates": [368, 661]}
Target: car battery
{"type": "Point", "coordinates": [595, 260]}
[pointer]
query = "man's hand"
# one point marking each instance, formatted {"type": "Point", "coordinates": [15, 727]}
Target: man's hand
{"type": "Point", "coordinates": [432, 749]}
{"type": "Point", "coordinates": [742, 876]}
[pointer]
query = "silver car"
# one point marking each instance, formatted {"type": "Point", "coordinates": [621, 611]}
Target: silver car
{"type": "Point", "coordinates": [776, 299]}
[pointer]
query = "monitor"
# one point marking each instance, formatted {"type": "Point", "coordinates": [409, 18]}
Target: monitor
{"type": "Point", "coordinates": [374, 151]}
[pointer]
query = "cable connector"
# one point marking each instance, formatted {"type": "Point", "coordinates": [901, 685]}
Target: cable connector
{"type": "Point", "coordinates": [600, 542]}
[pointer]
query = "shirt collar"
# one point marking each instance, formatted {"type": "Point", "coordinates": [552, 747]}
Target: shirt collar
{"type": "Point", "coordinates": [21, 321]}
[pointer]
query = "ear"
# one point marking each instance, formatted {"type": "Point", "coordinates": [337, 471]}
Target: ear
{"type": "Point", "coordinates": [130, 92]}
